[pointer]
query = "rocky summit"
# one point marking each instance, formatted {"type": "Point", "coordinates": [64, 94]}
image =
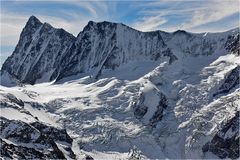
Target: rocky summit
{"type": "Point", "coordinates": [45, 53]}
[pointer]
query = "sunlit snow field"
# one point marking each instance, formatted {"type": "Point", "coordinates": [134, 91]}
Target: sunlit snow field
{"type": "Point", "coordinates": [98, 113]}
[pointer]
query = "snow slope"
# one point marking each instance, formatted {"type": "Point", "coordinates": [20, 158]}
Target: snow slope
{"type": "Point", "coordinates": [182, 103]}
{"type": "Point", "coordinates": [99, 114]}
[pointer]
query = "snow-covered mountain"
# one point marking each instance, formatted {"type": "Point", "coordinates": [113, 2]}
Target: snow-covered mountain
{"type": "Point", "coordinates": [114, 92]}
{"type": "Point", "coordinates": [40, 49]}
{"type": "Point", "coordinates": [44, 53]}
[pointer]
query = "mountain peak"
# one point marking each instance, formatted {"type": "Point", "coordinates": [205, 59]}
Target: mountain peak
{"type": "Point", "coordinates": [103, 23]}
{"type": "Point", "coordinates": [100, 26]}
{"type": "Point", "coordinates": [33, 20]}
{"type": "Point", "coordinates": [101, 45]}
{"type": "Point", "coordinates": [32, 17]}
{"type": "Point", "coordinates": [32, 25]}
{"type": "Point", "coordinates": [91, 23]}
{"type": "Point", "coordinates": [180, 32]}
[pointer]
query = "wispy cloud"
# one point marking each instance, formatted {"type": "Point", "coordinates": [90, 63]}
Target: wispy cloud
{"type": "Point", "coordinates": [143, 15]}
{"type": "Point", "coordinates": [11, 26]}
{"type": "Point", "coordinates": [73, 15]}
{"type": "Point", "coordinates": [12, 22]}
{"type": "Point", "coordinates": [186, 15]}
{"type": "Point", "coordinates": [215, 11]}
{"type": "Point", "coordinates": [149, 23]}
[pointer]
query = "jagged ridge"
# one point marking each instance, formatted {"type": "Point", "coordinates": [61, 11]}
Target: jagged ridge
{"type": "Point", "coordinates": [44, 53]}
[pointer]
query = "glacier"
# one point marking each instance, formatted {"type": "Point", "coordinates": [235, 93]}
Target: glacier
{"type": "Point", "coordinates": [114, 92]}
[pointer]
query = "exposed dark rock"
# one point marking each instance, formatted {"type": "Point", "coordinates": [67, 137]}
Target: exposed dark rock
{"type": "Point", "coordinates": [33, 55]}
{"type": "Point", "coordinates": [53, 133]}
{"type": "Point", "coordinates": [233, 44]}
{"type": "Point", "coordinates": [168, 53]}
{"type": "Point", "coordinates": [14, 99]}
{"type": "Point", "coordinates": [225, 144]}
{"type": "Point", "coordinates": [159, 113]}
{"type": "Point", "coordinates": [6, 102]}
{"type": "Point", "coordinates": [88, 157]}
{"type": "Point", "coordinates": [231, 81]}
{"type": "Point", "coordinates": [139, 108]}
{"type": "Point", "coordinates": [35, 140]}
{"type": "Point", "coordinates": [19, 152]}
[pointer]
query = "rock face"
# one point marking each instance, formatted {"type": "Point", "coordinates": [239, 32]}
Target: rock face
{"type": "Point", "coordinates": [44, 53]}
{"type": "Point", "coordinates": [149, 112]}
{"type": "Point", "coordinates": [231, 81]}
{"type": "Point", "coordinates": [38, 52]}
{"type": "Point", "coordinates": [225, 144]}
{"type": "Point", "coordinates": [35, 140]}
{"type": "Point", "coordinates": [53, 133]}
{"type": "Point", "coordinates": [233, 44]}
{"type": "Point", "coordinates": [107, 46]}
{"type": "Point", "coordinates": [139, 108]}
{"type": "Point", "coordinates": [24, 136]}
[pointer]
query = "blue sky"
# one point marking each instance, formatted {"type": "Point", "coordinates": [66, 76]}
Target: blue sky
{"type": "Point", "coordinates": [167, 15]}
